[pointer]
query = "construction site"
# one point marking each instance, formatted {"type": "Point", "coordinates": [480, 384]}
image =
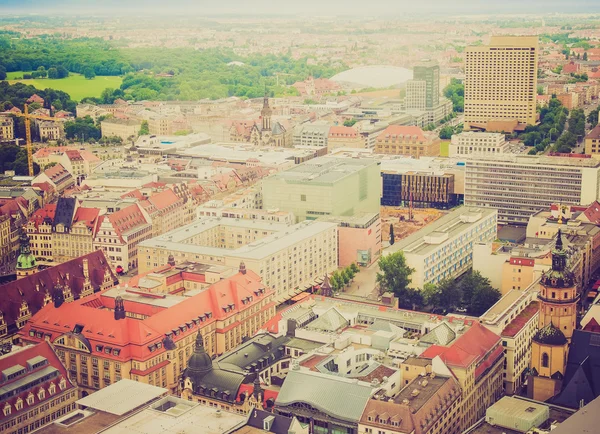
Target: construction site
{"type": "Point", "coordinates": [406, 220]}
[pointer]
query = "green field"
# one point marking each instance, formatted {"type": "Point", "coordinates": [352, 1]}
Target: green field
{"type": "Point", "coordinates": [445, 148]}
{"type": "Point", "coordinates": [75, 85]}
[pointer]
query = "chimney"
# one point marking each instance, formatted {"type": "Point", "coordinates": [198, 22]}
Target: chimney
{"type": "Point", "coordinates": [86, 271]}
{"type": "Point", "coordinates": [119, 308]}
{"type": "Point", "coordinates": [242, 267]}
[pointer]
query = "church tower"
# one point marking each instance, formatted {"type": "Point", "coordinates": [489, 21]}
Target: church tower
{"type": "Point", "coordinates": [558, 313]}
{"type": "Point", "coordinates": [26, 263]}
{"type": "Point", "coordinates": [266, 114]}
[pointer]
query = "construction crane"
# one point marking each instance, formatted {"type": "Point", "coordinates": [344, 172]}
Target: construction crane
{"type": "Point", "coordinates": [28, 118]}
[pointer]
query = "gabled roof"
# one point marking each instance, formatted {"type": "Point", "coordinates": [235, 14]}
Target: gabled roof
{"type": "Point", "coordinates": [44, 215]}
{"type": "Point", "coordinates": [440, 335]}
{"type": "Point", "coordinates": [87, 216]}
{"type": "Point", "coordinates": [65, 211]}
{"type": "Point", "coordinates": [337, 132]}
{"type": "Point", "coordinates": [127, 219]}
{"type": "Point", "coordinates": [164, 199]}
{"type": "Point", "coordinates": [592, 213]}
{"type": "Point", "coordinates": [280, 424]}
{"type": "Point", "coordinates": [595, 133]}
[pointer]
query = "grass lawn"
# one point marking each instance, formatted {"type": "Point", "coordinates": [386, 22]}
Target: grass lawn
{"type": "Point", "coordinates": [75, 84]}
{"type": "Point", "coordinates": [445, 148]}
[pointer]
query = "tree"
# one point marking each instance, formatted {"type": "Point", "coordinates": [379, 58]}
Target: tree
{"type": "Point", "coordinates": [89, 73]}
{"type": "Point", "coordinates": [446, 132]}
{"type": "Point", "coordinates": [82, 129]}
{"type": "Point", "coordinates": [394, 274]}
{"type": "Point", "coordinates": [349, 122]}
{"type": "Point", "coordinates": [585, 56]}
{"type": "Point", "coordinates": [42, 73]}
{"type": "Point", "coordinates": [431, 294]}
{"type": "Point", "coordinates": [346, 276]}
{"type": "Point", "coordinates": [2, 73]}
{"type": "Point", "coordinates": [540, 90]}
{"type": "Point", "coordinates": [392, 238]}
{"type": "Point", "coordinates": [62, 71]}
{"type": "Point", "coordinates": [355, 268]}
{"type": "Point", "coordinates": [144, 130]}
{"type": "Point", "coordinates": [335, 281]}
{"type": "Point", "coordinates": [450, 294]}
{"type": "Point", "coordinates": [53, 73]}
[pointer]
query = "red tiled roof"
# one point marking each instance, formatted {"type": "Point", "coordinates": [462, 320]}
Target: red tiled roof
{"type": "Point", "coordinates": [44, 186]}
{"type": "Point", "coordinates": [592, 213]}
{"type": "Point", "coordinates": [473, 345]}
{"type": "Point", "coordinates": [55, 172]}
{"type": "Point", "coordinates": [594, 134]}
{"type": "Point", "coordinates": [164, 199]}
{"type": "Point", "coordinates": [337, 132]}
{"type": "Point", "coordinates": [135, 194]}
{"type": "Point", "coordinates": [313, 361]}
{"type": "Point", "coordinates": [154, 184]}
{"type": "Point", "coordinates": [42, 214]}
{"type": "Point", "coordinates": [400, 130]}
{"type": "Point", "coordinates": [21, 357]}
{"type": "Point", "coordinates": [35, 98]}
{"type": "Point", "coordinates": [127, 218]}
{"type": "Point", "coordinates": [592, 326]}
{"type": "Point", "coordinates": [521, 319]}
{"type": "Point", "coordinates": [89, 216]}
{"type": "Point", "coordinates": [74, 155]}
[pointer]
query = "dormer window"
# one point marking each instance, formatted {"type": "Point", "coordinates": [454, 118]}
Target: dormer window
{"type": "Point", "coordinates": [52, 389]}
{"type": "Point", "coordinates": [19, 404]}
{"type": "Point", "coordinates": [30, 399]}
{"type": "Point", "coordinates": [6, 409]}
{"type": "Point", "coordinates": [41, 394]}
{"type": "Point", "coordinates": [62, 385]}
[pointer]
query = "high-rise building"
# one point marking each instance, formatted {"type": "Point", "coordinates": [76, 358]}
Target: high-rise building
{"type": "Point", "coordinates": [423, 91]}
{"type": "Point", "coordinates": [521, 185]}
{"type": "Point", "coordinates": [501, 81]}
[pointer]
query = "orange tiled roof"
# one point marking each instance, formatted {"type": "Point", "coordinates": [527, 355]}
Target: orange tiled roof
{"type": "Point", "coordinates": [164, 199]}
{"type": "Point", "coordinates": [400, 130]}
{"type": "Point", "coordinates": [44, 214]}
{"type": "Point", "coordinates": [339, 132]}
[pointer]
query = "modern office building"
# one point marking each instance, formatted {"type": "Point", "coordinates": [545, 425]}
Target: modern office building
{"type": "Point", "coordinates": [501, 81]}
{"type": "Point", "coordinates": [444, 249]}
{"type": "Point", "coordinates": [423, 189]}
{"type": "Point", "coordinates": [288, 258]}
{"type": "Point", "coordinates": [423, 91]}
{"type": "Point", "coordinates": [470, 142]}
{"type": "Point", "coordinates": [325, 186]}
{"type": "Point", "coordinates": [521, 185]}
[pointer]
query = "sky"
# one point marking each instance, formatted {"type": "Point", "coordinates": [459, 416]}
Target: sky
{"type": "Point", "coordinates": [299, 7]}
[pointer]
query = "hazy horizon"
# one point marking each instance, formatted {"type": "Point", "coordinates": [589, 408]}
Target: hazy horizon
{"type": "Point", "coordinates": [306, 7]}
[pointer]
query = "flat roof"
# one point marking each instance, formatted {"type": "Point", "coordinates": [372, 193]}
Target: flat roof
{"type": "Point", "coordinates": [122, 397]}
{"type": "Point", "coordinates": [243, 153]}
{"type": "Point", "coordinates": [323, 170]}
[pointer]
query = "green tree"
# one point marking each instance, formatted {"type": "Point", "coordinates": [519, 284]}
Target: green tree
{"type": "Point", "coordinates": [585, 56]}
{"type": "Point", "coordinates": [392, 238]}
{"type": "Point", "coordinates": [349, 122]}
{"type": "Point", "coordinates": [540, 90]}
{"type": "Point", "coordinates": [144, 129]}
{"type": "Point", "coordinates": [335, 281]}
{"type": "Point", "coordinates": [394, 274]}
{"type": "Point", "coordinates": [451, 295]}
{"type": "Point", "coordinates": [431, 294]}
{"type": "Point", "coordinates": [53, 73]}
{"type": "Point", "coordinates": [355, 268]}
{"type": "Point", "coordinates": [62, 71]}
{"type": "Point", "coordinates": [89, 73]}
{"type": "Point", "coordinates": [42, 72]}
{"type": "Point", "coordinates": [346, 276]}
{"type": "Point", "coordinates": [82, 129]}
{"type": "Point", "coordinates": [2, 73]}
{"type": "Point", "coordinates": [446, 132]}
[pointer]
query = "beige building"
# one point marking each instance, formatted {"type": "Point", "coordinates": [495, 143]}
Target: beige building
{"type": "Point", "coordinates": [288, 258]}
{"type": "Point", "coordinates": [344, 137]}
{"type": "Point", "coordinates": [50, 130]}
{"type": "Point", "coordinates": [123, 128]}
{"type": "Point", "coordinates": [7, 128]}
{"type": "Point", "coordinates": [409, 141]}
{"type": "Point", "coordinates": [501, 80]}
{"type": "Point", "coordinates": [592, 142]}
{"type": "Point", "coordinates": [160, 125]}
{"type": "Point", "coordinates": [471, 142]}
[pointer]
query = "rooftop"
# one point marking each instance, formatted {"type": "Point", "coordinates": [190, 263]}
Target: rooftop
{"type": "Point", "coordinates": [122, 397]}
{"type": "Point", "coordinates": [323, 170]}
{"type": "Point", "coordinates": [521, 319]}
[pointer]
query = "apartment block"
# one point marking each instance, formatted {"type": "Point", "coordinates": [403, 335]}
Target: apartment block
{"type": "Point", "coordinates": [470, 142]}
{"type": "Point", "coordinates": [592, 142]}
{"type": "Point", "coordinates": [521, 185]}
{"type": "Point", "coordinates": [123, 128]}
{"type": "Point", "coordinates": [444, 249]}
{"type": "Point", "coordinates": [344, 137]}
{"type": "Point", "coordinates": [325, 186]}
{"type": "Point", "coordinates": [288, 258]}
{"type": "Point", "coordinates": [501, 81]}
{"type": "Point", "coordinates": [7, 128]}
{"type": "Point", "coordinates": [311, 135]}
{"type": "Point", "coordinates": [409, 141]}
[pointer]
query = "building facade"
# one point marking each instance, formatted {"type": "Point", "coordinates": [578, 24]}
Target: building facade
{"type": "Point", "coordinates": [470, 142]}
{"type": "Point", "coordinates": [408, 141]}
{"type": "Point", "coordinates": [501, 80]}
{"type": "Point", "coordinates": [592, 142]}
{"type": "Point", "coordinates": [444, 249]}
{"type": "Point", "coordinates": [7, 128]}
{"type": "Point", "coordinates": [123, 128]}
{"type": "Point", "coordinates": [519, 186]}
{"type": "Point", "coordinates": [422, 189]}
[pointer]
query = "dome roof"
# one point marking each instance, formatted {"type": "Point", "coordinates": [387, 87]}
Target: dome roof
{"type": "Point", "coordinates": [550, 335]}
{"type": "Point", "coordinates": [26, 261]}
{"type": "Point", "coordinates": [199, 363]}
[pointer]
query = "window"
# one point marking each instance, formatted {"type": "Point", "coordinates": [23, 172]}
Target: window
{"type": "Point", "coordinates": [545, 360]}
{"type": "Point", "coordinates": [6, 409]}
{"type": "Point", "coordinates": [303, 198]}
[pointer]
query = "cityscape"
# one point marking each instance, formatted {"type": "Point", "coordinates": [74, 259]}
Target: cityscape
{"type": "Point", "coordinates": [299, 217]}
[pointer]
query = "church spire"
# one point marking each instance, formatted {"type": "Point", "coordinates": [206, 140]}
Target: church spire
{"type": "Point", "coordinates": [559, 256]}
{"type": "Point", "coordinates": [266, 112]}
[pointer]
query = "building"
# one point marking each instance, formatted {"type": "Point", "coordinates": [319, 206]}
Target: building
{"type": "Point", "coordinates": [75, 279]}
{"type": "Point", "coordinates": [408, 141]}
{"type": "Point", "coordinates": [521, 185]}
{"type": "Point", "coordinates": [471, 142]}
{"type": "Point", "coordinates": [558, 298]}
{"type": "Point", "coordinates": [288, 258]}
{"type": "Point", "coordinates": [311, 135]}
{"type": "Point", "coordinates": [49, 130]}
{"type": "Point", "coordinates": [148, 336]}
{"type": "Point", "coordinates": [444, 249]}
{"type": "Point", "coordinates": [476, 359]}
{"type": "Point", "coordinates": [7, 128]}
{"type": "Point", "coordinates": [214, 209]}
{"type": "Point", "coordinates": [270, 133]}
{"type": "Point", "coordinates": [166, 210]}
{"type": "Point", "coordinates": [359, 239]}
{"type": "Point", "coordinates": [57, 176]}
{"type": "Point", "coordinates": [36, 389]}
{"type": "Point", "coordinates": [423, 91]}
{"type": "Point", "coordinates": [428, 404]}
{"type": "Point", "coordinates": [325, 186]}
{"type": "Point", "coordinates": [123, 128]}
{"type": "Point", "coordinates": [592, 142]}
{"type": "Point", "coordinates": [26, 262]}
{"type": "Point", "coordinates": [344, 137]}
{"type": "Point", "coordinates": [73, 231]}
{"type": "Point", "coordinates": [120, 233]}
{"type": "Point", "coordinates": [422, 189]}
{"type": "Point", "coordinates": [261, 421]}
{"type": "Point", "coordinates": [501, 81]}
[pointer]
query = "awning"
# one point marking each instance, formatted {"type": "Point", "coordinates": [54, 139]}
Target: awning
{"type": "Point", "coordinates": [300, 296]}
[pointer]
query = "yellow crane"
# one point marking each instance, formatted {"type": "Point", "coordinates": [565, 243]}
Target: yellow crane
{"type": "Point", "coordinates": [28, 118]}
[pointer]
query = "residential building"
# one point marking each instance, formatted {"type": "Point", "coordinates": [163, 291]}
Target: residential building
{"type": "Point", "coordinates": [471, 142]}
{"type": "Point", "coordinates": [444, 249]}
{"type": "Point", "coordinates": [39, 230]}
{"type": "Point", "coordinates": [167, 211]}
{"type": "Point", "coordinates": [325, 186]}
{"type": "Point", "coordinates": [359, 239]}
{"type": "Point", "coordinates": [288, 258]}
{"type": "Point", "coordinates": [36, 389]}
{"type": "Point", "coordinates": [13, 216]}
{"type": "Point", "coordinates": [71, 280]}
{"type": "Point", "coordinates": [74, 230]}
{"type": "Point", "coordinates": [123, 128]}
{"type": "Point", "coordinates": [148, 336]}
{"type": "Point", "coordinates": [344, 137]}
{"type": "Point", "coordinates": [261, 421]}
{"type": "Point", "coordinates": [592, 142]}
{"type": "Point", "coordinates": [316, 86]}
{"type": "Point", "coordinates": [214, 209]}
{"type": "Point", "coordinates": [79, 163]}
{"type": "Point", "coordinates": [49, 130]}
{"type": "Point", "coordinates": [476, 359]}
{"type": "Point", "coordinates": [7, 128]}
{"type": "Point", "coordinates": [416, 94]}
{"type": "Point", "coordinates": [408, 141]}
{"type": "Point", "coordinates": [501, 81]}
{"type": "Point", "coordinates": [558, 298]}
{"type": "Point", "coordinates": [521, 185]}
{"type": "Point", "coordinates": [120, 233]}
{"type": "Point", "coordinates": [57, 176]}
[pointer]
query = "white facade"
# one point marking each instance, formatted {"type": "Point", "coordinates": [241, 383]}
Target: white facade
{"type": "Point", "coordinates": [471, 142]}
{"type": "Point", "coordinates": [444, 248]}
{"type": "Point", "coordinates": [416, 95]}
{"type": "Point", "coordinates": [521, 185]}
